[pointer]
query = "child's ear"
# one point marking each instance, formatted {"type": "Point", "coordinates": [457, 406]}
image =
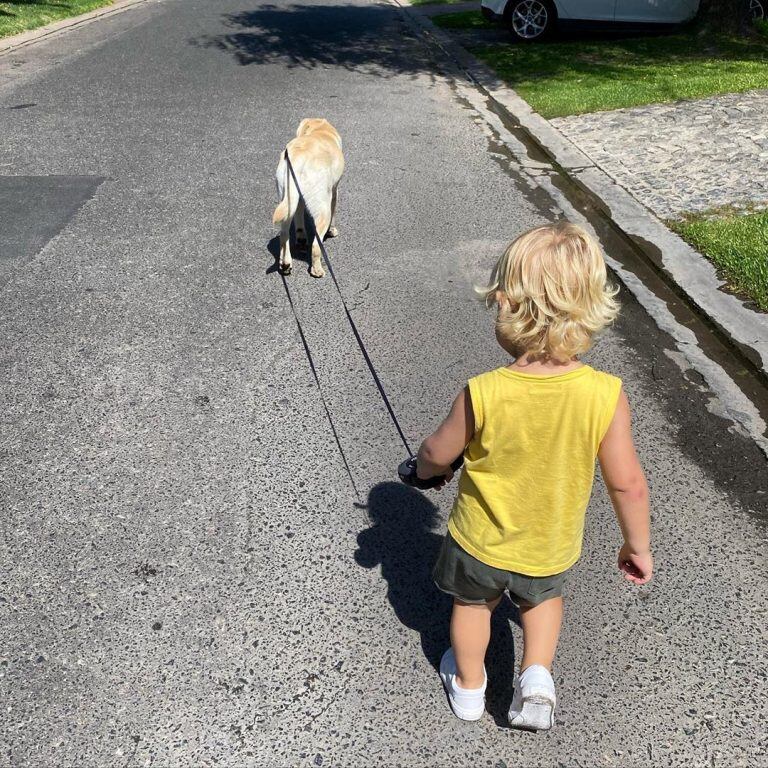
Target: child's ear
{"type": "Point", "coordinates": [502, 300]}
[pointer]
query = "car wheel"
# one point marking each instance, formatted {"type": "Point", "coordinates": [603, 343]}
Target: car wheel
{"type": "Point", "coordinates": [530, 20]}
{"type": "Point", "coordinates": [756, 10]}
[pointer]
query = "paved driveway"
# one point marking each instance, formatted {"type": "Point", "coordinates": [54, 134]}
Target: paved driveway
{"type": "Point", "coordinates": [686, 157]}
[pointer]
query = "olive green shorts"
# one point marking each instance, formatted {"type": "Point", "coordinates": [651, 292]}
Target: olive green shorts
{"type": "Point", "coordinates": [459, 574]}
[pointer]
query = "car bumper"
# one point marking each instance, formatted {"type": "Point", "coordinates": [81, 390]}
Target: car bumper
{"type": "Point", "coordinates": [493, 9]}
{"type": "Point", "coordinates": [489, 14]}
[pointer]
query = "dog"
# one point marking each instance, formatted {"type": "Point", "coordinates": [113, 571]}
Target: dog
{"type": "Point", "coordinates": [318, 163]}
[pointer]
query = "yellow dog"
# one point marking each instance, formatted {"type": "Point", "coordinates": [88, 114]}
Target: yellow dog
{"type": "Point", "coordinates": [318, 162]}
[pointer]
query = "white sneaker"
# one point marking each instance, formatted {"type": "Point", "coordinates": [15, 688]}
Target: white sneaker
{"type": "Point", "coordinates": [467, 704]}
{"type": "Point", "coordinates": [533, 702]}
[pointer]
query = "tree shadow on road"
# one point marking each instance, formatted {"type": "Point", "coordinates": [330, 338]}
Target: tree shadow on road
{"type": "Point", "coordinates": [402, 539]}
{"type": "Point", "coordinates": [367, 38]}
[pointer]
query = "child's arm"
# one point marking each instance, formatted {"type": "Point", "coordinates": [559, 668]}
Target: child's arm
{"type": "Point", "coordinates": [448, 441]}
{"type": "Point", "coordinates": [628, 490]}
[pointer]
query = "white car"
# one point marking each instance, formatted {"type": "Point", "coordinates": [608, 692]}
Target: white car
{"type": "Point", "coordinates": [533, 19]}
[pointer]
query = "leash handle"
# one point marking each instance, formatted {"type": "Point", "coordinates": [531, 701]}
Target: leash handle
{"type": "Point", "coordinates": [407, 472]}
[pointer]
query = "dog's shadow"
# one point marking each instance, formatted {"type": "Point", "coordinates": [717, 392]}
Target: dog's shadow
{"type": "Point", "coordinates": [403, 541]}
{"type": "Point", "coordinates": [299, 253]}
{"type": "Point", "coordinates": [273, 246]}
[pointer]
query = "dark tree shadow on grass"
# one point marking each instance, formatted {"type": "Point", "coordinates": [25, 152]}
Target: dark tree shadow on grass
{"type": "Point", "coordinates": [40, 3]}
{"type": "Point", "coordinates": [403, 540]}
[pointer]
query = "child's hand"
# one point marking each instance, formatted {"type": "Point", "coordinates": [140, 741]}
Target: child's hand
{"type": "Point", "coordinates": [637, 567]}
{"type": "Point", "coordinates": [446, 475]}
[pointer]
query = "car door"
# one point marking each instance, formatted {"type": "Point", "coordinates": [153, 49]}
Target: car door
{"type": "Point", "coordinates": [656, 11]}
{"type": "Point", "coordinates": [592, 10]}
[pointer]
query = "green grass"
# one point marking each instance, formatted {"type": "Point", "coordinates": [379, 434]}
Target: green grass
{"type": "Point", "coordinates": [435, 2]}
{"type": "Point", "coordinates": [21, 15]}
{"type": "Point", "coordinates": [462, 20]}
{"type": "Point", "coordinates": [737, 244]}
{"type": "Point", "coordinates": [586, 75]}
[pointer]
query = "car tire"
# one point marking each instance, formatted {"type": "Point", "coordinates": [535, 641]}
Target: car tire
{"type": "Point", "coordinates": [756, 9]}
{"type": "Point", "coordinates": [530, 20]}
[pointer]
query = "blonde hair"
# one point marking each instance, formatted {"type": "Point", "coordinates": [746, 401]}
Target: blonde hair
{"type": "Point", "coordinates": [552, 293]}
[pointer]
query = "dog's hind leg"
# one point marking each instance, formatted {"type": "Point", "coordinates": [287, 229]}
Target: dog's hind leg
{"type": "Point", "coordinates": [333, 230]}
{"type": "Point", "coordinates": [301, 227]}
{"type": "Point", "coordinates": [286, 262]}
{"type": "Point", "coordinates": [322, 221]}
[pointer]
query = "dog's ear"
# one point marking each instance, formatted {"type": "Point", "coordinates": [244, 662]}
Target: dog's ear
{"type": "Point", "coordinates": [310, 124]}
{"type": "Point", "coordinates": [304, 126]}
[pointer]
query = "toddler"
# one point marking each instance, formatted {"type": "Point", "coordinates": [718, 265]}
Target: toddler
{"type": "Point", "coordinates": [530, 432]}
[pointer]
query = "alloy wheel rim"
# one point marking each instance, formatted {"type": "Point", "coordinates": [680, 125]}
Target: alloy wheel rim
{"type": "Point", "coordinates": [529, 19]}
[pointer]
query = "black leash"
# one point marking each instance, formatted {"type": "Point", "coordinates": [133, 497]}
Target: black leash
{"type": "Point", "coordinates": [319, 388]}
{"type": "Point", "coordinates": [358, 338]}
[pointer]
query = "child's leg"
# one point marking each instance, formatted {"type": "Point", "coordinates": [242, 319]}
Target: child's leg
{"type": "Point", "coordinates": [541, 630]}
{"type": "Point", "coordinates": [470, 635]}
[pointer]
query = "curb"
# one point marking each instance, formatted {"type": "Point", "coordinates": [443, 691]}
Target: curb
{"type": "Point", "coordinates": [677, 263]}
{"type": "Point", "coordinates": [14, 42]}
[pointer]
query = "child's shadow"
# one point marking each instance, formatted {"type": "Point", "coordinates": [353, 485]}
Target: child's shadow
{"type": "Point", "coordinates": [402, 539]}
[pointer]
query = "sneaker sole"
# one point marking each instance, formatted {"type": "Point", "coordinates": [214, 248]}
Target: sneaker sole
{"type": "Point", "coordinates": [538, 714]}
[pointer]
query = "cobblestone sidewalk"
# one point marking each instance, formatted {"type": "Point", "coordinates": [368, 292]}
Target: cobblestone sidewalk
{"type": "Point", "coordinates": [685, 157]}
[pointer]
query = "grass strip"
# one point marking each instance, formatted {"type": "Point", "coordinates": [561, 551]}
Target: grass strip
{"type": "Point", "coordinates": [463, 20]}
{"type": "Point", "coordinates": [21, 16]}
{"type": "Point", "coordinates": [737, 244]}
{"type": "Point", "coordinates": [570, 77]}
{"type": "Point", "coordinates": [435, 2]}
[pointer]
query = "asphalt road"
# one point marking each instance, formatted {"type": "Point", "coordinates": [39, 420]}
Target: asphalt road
{"type": "Point", "coordinates": [190, 576]}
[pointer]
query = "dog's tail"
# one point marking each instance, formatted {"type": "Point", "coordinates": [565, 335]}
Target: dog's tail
{"type": "Point", "coordinates": [282, 212]}
{"type": "Point", "coordinates": [288, 193]}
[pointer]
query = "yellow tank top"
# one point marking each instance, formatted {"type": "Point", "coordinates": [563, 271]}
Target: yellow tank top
{"type": "Point", "coordinates": [529, 468]}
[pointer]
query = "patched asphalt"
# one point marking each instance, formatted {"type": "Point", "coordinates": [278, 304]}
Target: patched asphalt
{"type": "Point", "coordinates": [190, 576]}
